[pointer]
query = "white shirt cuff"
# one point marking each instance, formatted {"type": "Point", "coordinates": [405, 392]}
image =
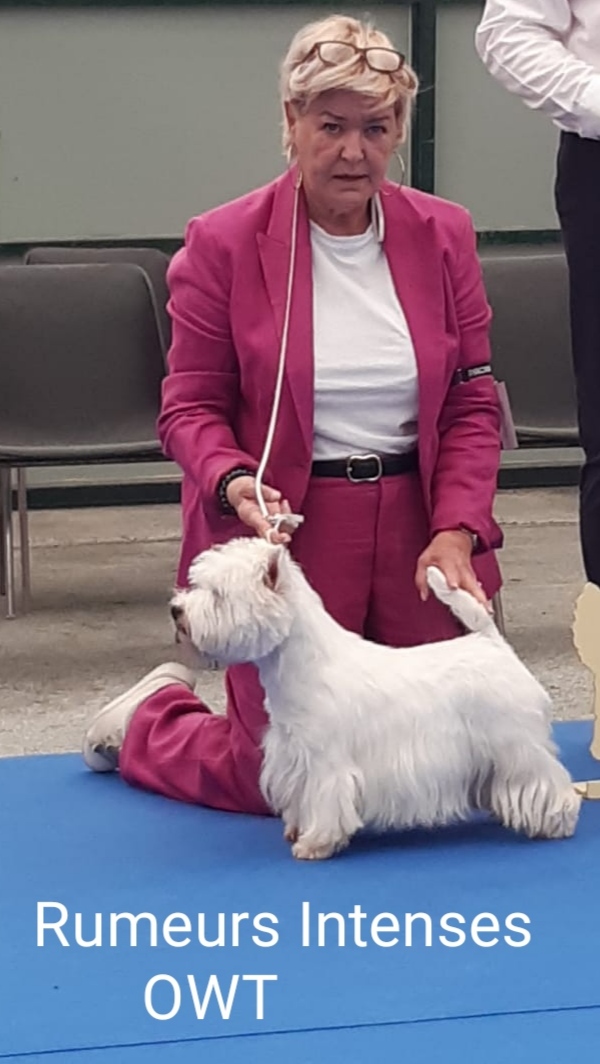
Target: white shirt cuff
{"type": "Point", "coordinates": [589, 110]}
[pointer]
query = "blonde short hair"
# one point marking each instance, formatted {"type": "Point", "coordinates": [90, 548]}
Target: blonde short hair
{"type": "Point", "coordinates": [303, 79]}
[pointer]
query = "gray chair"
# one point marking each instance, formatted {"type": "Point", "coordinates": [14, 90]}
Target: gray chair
{"type": "Point", "coordinates": [154, 262]}
{"type": "Point", "coordinates": [531, 346]}
{"type": "Point", "coordinates": [81, 370]}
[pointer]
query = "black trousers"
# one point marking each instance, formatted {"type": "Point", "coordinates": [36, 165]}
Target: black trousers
{"type": "Point", "coordinates": [578, 206]}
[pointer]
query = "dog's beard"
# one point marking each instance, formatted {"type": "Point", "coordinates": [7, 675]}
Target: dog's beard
{"type": "Point", "coordinates": [197, 659]}
{"type": "Point", "coordinates": [230, 633]}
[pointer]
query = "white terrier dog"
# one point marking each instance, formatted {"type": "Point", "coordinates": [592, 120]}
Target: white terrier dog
{"type": "Point", "coordinates": [364, 735]}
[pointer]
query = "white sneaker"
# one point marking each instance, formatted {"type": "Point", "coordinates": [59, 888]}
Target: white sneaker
{"type": "Point", "coordinates": [104, 737]}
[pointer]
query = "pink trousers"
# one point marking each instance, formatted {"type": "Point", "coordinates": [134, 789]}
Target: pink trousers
{"type": "Point", "coordinates": [358, 547]}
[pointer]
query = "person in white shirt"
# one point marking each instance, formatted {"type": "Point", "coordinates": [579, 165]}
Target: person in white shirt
{"type": "Point", "coordinates": [548, 52]}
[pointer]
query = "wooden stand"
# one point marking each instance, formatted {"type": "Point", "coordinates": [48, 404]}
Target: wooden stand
{"type": "Point", "coordinates": [586, 638]}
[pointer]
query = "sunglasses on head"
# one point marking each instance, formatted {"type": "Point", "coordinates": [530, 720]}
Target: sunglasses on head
{"type": "Point", "coordinates": [335, 53]}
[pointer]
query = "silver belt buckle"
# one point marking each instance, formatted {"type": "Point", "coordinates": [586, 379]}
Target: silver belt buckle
{"type": "Point", "coordinates": [362, 458]}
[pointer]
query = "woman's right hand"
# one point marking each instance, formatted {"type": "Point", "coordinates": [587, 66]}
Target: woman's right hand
{"type": "Point", "coordinates": [241, 495]}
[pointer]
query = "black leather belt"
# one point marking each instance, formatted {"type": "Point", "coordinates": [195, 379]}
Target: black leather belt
{"type": "Point", "coordinates": [367, 467]}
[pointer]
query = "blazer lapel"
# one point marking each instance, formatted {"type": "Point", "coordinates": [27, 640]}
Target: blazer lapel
{"type": "Point", "coordinates": [274, 250]}
{"type": "Point", "coordinates": [414, 258]}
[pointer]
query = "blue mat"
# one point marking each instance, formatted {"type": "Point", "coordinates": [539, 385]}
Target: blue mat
{"type": "Point", "coordinates": [83, 844]}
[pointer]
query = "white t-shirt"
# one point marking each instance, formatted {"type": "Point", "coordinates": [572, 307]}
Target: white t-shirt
{"type": "Point", "coordinates": [366, 395]}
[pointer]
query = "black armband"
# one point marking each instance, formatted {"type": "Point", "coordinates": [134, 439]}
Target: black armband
{"type": "Point", "coordinates": [462, 376]}
{"type": "Point", "coordinates": [239, 471]}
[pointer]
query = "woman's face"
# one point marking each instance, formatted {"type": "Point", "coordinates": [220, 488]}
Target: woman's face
{"type": "Point", "coordinates": [343, 143]}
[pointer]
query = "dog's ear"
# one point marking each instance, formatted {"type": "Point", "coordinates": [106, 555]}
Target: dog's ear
{"type": "Point", "coordinates": [271, 573]}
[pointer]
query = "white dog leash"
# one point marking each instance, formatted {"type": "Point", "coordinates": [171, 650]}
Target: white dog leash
{"type": "Point", "coordinates": [277, 520]}
{"type": "Point", "coordinates": [294, 520]}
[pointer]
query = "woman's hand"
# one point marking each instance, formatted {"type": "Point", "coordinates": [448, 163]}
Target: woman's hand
{"type": "Point", "coordinates": [451, 552]}
{"type": "Point", "coordinates": [241, 494]}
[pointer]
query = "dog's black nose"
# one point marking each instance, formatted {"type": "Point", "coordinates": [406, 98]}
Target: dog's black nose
{"type": "Point", "coordinates": [176, 613]}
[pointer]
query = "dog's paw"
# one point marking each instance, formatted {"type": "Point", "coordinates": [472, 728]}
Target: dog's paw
{"type": "Point", "coordinates": [306, 849]}
{"type": "Point", "coordinates": [290, 833]}
{"type": "Point", "coordinates": [561, 822]}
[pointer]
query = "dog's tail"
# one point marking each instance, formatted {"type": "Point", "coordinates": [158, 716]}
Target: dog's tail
{"type": "Point", "coordinates": [463, 605]}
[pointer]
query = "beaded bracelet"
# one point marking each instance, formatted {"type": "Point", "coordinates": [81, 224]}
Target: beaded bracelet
{"type": "Point", "coordinates": [239, 471]}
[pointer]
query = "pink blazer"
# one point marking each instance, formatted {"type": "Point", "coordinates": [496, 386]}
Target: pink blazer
{"type": "Point", "coordinates": [228, 289]}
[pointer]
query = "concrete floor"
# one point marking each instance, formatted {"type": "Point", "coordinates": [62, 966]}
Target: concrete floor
{"type": "Point", "coordinates": [99, 618]}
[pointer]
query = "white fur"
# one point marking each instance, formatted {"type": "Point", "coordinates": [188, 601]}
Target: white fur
{"type": "Point", "coordinates": [364, 735]}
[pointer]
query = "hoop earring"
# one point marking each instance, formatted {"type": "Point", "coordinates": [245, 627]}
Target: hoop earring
{"type": "Point", "coordinates": [402, 167]}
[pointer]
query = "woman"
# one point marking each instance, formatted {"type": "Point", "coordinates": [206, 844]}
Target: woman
{"type": "Point", "coordinates": [386, 442]}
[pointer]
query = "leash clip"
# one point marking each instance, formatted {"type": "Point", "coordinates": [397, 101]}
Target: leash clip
{"type": "Point", "coordinates": [277, 520]}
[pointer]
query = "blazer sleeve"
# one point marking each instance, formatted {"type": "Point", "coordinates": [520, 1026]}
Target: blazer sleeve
{"type": "Point", "coordinates": [201, 390]}
{"type": "Point", "coordinates": [465, 478]}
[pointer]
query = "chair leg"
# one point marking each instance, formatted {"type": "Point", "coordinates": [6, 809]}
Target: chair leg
{"type": "Point", "coordinates": [24, 537]}
{"type": "Point", "coordinates": [7, 540]}
{"type": "Point", "coordinates": [2, 542]}
{"type": "Point", "coordinates": [498, 611]}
